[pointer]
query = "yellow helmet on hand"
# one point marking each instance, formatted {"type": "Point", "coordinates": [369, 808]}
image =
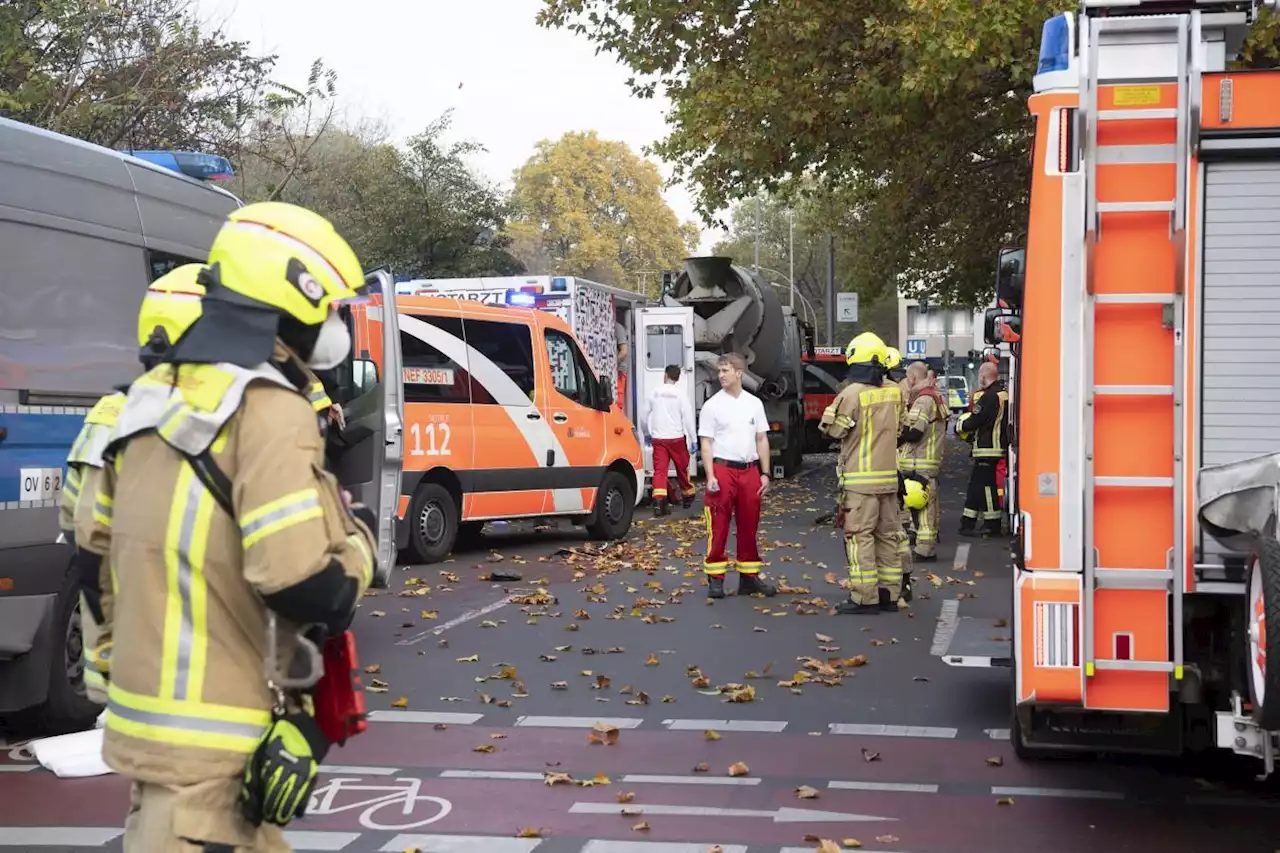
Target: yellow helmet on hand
{"type": "Point", "coordinates": [892, 358]}
{"type": "Point", "coordinates": [917, 496]}
{"type": "Point", "coordinates": [171, 306]}
{"type": "Point", "coordinates": [865, 349]}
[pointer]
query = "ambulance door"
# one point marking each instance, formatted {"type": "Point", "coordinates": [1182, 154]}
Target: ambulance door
{"type": "Point", "coordinates": [574, 405]}
{"type": "Point", "coordinates": [367, 452]}
{"type": "Point", "coordinates": [665, 336]}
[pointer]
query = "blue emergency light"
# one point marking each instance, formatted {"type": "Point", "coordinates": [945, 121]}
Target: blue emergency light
{"type": "Point", "coordinates": [204, 167]}
{"type": "Point", "coordinates": [1055, 44]}
{"type": "Point", "coordinates": [521, 299]}
{"type": "Point", "coordinates": [559, 283]}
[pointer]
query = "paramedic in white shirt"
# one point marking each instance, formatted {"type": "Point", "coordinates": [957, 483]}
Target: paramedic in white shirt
{"type": "Point", "coordinates": [735, 455]}
{"type": "Point", "coordinates": [668, 421]}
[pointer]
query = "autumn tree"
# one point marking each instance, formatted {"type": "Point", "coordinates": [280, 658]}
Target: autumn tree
{"type": "Point", "coordinates": [590, 207]}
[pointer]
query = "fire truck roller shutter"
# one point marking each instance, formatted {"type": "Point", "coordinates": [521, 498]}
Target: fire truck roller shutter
{"type": "Point", "coordinates": [1240, 352]}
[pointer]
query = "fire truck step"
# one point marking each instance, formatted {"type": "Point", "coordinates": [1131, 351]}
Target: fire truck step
{"type": "Point", "coordinates": [1132, 578]}
{"type": "Point", "coordinates": [1133, 390]}
{"type": "Point", "coordinates": [1135, 665]}
{"type": "Point", "coordinates": [1135, 207]}
{"type": "Point", "coordinates": [1135, 115]}
{"type": "Point", "coordinates": [1135, 482]}
{"type": "Point", "coordinates": [1134, 298]}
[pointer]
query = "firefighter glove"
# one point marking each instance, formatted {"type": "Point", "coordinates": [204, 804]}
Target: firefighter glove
{"type": "Point", "coordinates": [281, 774]}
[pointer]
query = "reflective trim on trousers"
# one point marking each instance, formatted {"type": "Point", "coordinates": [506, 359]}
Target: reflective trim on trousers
{"type": "Point", "coordinates": [748, 568]}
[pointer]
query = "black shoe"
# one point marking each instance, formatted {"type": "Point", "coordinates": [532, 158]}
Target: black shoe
{"type": "Point", "coordinates": [687, 502]}
{"type": "Point", "coordinates": [661, 508]}
{"type": "Point", "coordinates": [848, 607]}
{"type": "Point", "coordinates": [906, 587]}
{"type": "Point", "coordinates": [921, 558]}
{"type": "Point", "coordinates": [887, 603]}
{"type": "Point", "coordinates": [715, 586]}
{"type": "Point", "coordinates": [971, 532]}
{"type": "Point", "coordinates": [752, 584]}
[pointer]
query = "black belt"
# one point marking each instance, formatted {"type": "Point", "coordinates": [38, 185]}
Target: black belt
{"type": "Point", "coordinates": [739, 466]}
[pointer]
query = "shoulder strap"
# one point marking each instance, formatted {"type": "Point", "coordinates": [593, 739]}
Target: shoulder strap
{"type": "Point", "coordinates": [213, 478]}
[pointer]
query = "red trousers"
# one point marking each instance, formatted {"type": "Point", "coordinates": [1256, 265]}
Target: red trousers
{"type": "Point", "coordinates": [666, 451]}
{"type": "Point", "coordinates": [738, 499]}
{"type": "Point", "coordinates": [1002, 472]}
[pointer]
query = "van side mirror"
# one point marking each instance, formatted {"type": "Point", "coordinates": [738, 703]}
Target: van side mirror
{"type": "Point", "coordinates": [1011, 269]}
{"type": "Point", "coordinates": [364, 376]}
{"type": "Point", "coordinates": [606, 393]}
{"type": "Point", "coordinates": [1001, 326]}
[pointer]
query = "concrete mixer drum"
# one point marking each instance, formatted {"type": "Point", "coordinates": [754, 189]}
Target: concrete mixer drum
{"type": "Point", "coordinates": [734, 311]}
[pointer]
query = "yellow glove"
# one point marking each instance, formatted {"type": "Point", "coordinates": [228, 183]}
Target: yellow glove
{"type": "Point", "coordinates": [280, 776]}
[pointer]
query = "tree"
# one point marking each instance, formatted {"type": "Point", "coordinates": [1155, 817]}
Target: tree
{"type": "Point", "coordinates": [590, 207]}
{"type": "Point", "coordinates": [911, 112]}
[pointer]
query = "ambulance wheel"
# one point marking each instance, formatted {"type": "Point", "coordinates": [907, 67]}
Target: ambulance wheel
{"type": "Point", "coordinates": [67, 707]}
{"type": "Point", "coordinates": [615, 505]}
{"type": "Point", "coordinates": [1263, 633]}
{"type": "Point", "coordinates": [434, 528]}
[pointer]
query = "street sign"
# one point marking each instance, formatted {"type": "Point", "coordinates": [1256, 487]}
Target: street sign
{"type": "Point", "coordinates": [847, 307]}
{"type": "Point", "coordinates": [916, 347]}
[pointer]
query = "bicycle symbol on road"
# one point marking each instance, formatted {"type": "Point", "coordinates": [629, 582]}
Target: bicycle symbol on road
{"type": "Point", "coordinates": [406, 794]}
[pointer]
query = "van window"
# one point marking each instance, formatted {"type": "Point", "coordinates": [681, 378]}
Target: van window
{"type": "Point", "coordinates": [569, 370]}
{"type": "Point", "coordinates": [163, 263]}
{"type": "Point", "coordinates": [664, 345]}
{"type": "Point", "coordinates": [508, 345]}
{"type": "Point", "coordinates": [429, 375]}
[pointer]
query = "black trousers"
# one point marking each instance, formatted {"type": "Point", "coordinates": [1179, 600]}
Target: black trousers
{"type": "Point", "coordinates": [981, 502]}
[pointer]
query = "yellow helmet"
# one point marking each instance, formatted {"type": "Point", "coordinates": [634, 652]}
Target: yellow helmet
{"type": "Point", "coordinates": [917, 498]}
{"type": "Point", "coordinates": [287, 258]}
{"type": "Point", "coordinates": [171, 306]}
{"type": "Point", "coordinates": [866, 348]}
{"type": "Point", "coordinates": [892, 358]}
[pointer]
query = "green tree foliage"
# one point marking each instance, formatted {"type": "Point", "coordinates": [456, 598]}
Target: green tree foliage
{"type": "Point", "coordinates": [911, 111]}
{"type": "Point", "coordinates": [590, 207]}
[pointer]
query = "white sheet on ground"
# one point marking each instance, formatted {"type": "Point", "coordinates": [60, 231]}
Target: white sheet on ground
{"type": "Point", "coordinates": [72, 756]}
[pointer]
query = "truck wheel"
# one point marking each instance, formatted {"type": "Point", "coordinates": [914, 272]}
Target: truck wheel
{"type": "Point", "coordinates": [615, 505]}
{"type": "Point", "coordinates": [434, 520]}
{"type": "Point", "coordinates": [66, 707]}
{"type": "Point", "coordinates": [1263, 627]}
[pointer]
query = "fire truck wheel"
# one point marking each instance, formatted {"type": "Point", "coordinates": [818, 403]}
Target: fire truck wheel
{"type": "Point", "coordinates": [434, 519]}
{"type": "Point", "coordinates": [1263, 626]}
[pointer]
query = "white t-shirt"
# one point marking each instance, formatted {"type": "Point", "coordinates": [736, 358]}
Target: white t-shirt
{"type": "Point", "coordinates": [732, 424]}
{"type": "Point", "coordinates": [669, 413]}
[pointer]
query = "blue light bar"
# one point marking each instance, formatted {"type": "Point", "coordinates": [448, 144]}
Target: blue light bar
{"type": "Point", "coordinates": [1055, 44]}
{"type": "Point", "coordinates": [521, 299]}
{"type": "Point", "coordinates": [204, 167]}
{"type": "Point", "coordinates": [559, 283]}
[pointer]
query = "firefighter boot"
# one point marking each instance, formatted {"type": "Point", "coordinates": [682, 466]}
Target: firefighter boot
{"type": "Point", "coordinates": [661, 508]}
{"type": "Point", "coordinates": [906, 587]}
{"type": "Point", "coordinates": [752, 584]}
{"type": "Point", "coordinates": [887, 603]}
{"type": "Point", "coordinates": [715, 586]}
{"type": "Point", "coordinates": [849, 607]}
{"type": "Point", "coordinates": [686, 502]}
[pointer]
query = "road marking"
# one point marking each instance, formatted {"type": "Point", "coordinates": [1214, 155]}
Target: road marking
{"type": "Point", "coordinates": [434, 717]}
{"type": "Point", "coordinates": [782, 815]}
{"type": "Point", "coordinates": [810, 850]}
{"type": "Point", "coordinates": [597, 846]}
{"type": "Point", "coordinates": [691, 780]}
{"type": "Point", "coordinates": [353, 770]}
{"type": "Point", "coordinates": [303, 839]}
{"type": "Point", "coordinates": [1231, 802]}
{"type": "Point", "coordinates": [945, 629]}
{"type": "Point", "coordinates": [961, 562]}
{"type": "Point", "coordinates": [578, 722]}
{"type": "Point", "coordinates": [456, 621]}
{"type": "Point", "coordinates": [513, 775]}
{"type": "Point", "coordinates": [460, 844]}
{"type": "Point", "coordinates": [17, 768]}
{"type": "Point", "coordinates": [773, 726]}
{"type": "Point", "coordinates": [997, 734]}
{"type": "Point", "coordinates": [1069, 793]}
{"type": "Point", "coordinates": [892, 731]}
{"type": "Point", "coordinates": [902, 787]}
{"type": "Point", "coordinates": [58, 836]}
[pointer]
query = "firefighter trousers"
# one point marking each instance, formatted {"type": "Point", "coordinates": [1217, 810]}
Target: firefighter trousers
{"type": "Point", "coordinates": [200, 818]}
{"type": "Point", "coordinates": [926, 524]}
{"type": "Point", "coordinates": [981, 502]}
{"type": "Point", "coordinates": [665, 452]}
{"type": "Point", "coordinates": [873, 534]}
{"type": "Point", "coordinates": [738, 500]}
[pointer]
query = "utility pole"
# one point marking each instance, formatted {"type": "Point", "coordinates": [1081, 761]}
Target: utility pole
{"type": "Point", "coordinates": [946, 342]}
{"type": "Point", "coordinates": [791, 219]}
{"type": "Point", "coordinates": [757, 259]}
{"type": "Point", "coordinates": [831, 290]}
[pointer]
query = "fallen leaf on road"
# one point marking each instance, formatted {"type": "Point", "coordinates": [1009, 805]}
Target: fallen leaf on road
{"type": "Point", "coordinates": [529, 832]}
{"type": "Point", "coordinates": [701, 682]}
{"type": "Point", "coordinates": [826, 845]}
{"type": "Point", "coordinates": [667, 700]}
{"type": "Point", "coordinates": [471, 659]}
{"type": "Point", "coordinates": [712, 734]}
{"type": "Point", "coordinates": [805, 792]}
{"type": "Point", "coordinates": [376, 685]}
{"type": "Point", "coordinates": [995, 761]}
{"type": "Point", "coordinates": [759, 630]}
{"type": "Point", "coordinates": [373, 668]}
{"type": "Point", "coordinates": [715, 848]}
{"type": "Point", "coordinates": [497, 737]}
{"type": "Point", "coordinates": [631, 812]}
{"type": "Point", "coordinates": [600, 779]}
{"type": "Point", "coordinates": [823, 638]}
{"type": "Point", "coordinates": [851, 844]}
{"type": "Point", "coordinates": [603, 733]}
{"type": "Point", "coordinates": [642, 826]}
{"type": "Point", "coordinates": [602, 682]}
{"type": "Point", "coordinates": [488, 623]}
{"type": "Point", "coordinates": [886, 839]}
{"type": "Point", "coordinates": [377, 614]}
{"type": "Point", "coordinates": [581, 614]}
{"type": "Point", "coordinates": [402, 702]}
{"type": "Point", "coordinates": [586, 673]}
{"type": "Point", "coordinates": [485, 748]}
{"type": "Point", "coordinates": [920, 678]}
{"type": "Point", "coordinates": [739, 769]}
{"type": "Point", "coordinates": [855, 661]}
{"type": "Point", "coordinates": [625, 796]}
{"type": "Point", "coordinates": [547, 658]}
{"type": "Point", "coordinates": [651, 660]}
{"type": "Point", "coordinates": [1000, 623]}
{"type": "Point", "coordinates": [742, 693]}
{"type": "Point", "coordinates": [572, 626]}
{"type": "Point", "coordinates": [1004, 801]}
{"type": "Point", "coordinates": [551, 778]}
{"type": "Point", "coordinates": [877, 642]}
{"type": "Point", "coordinates": [559, 685]}
{"type": "Point", "coordinates": [564, 648]}
{"type": "Point", "coordinates": [869, 756]}
{"type": "Point", "coordinates": [701, 767]}
{"type": "Point", "coordinates": [506, 673]}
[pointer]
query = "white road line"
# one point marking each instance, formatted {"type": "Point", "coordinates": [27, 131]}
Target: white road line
{"type": "Point", "coordinates": [456, 621]}
{"type": "Point", "coordinates": [892, 731]}
{"type": "Point", "coordinates": [690, 780]}
{"type": "Point", "coordinates": [810, 850]}
{"type": "Point", "coordinates": [58, 836]}
{"type": "Point", "coordinates": [781, 815]}
{"type": "Point", "coordinates": [997, 734]}
{"type": "Point", "coordinates": [17, 768]}
{"type": "Point", "coordinates": [1229, 802]}
{"type": "Point", "coordinates": [354, 770]}
{"type": "Point", "coordinates": [597, 846]}
{"type": "Point", "coordinates": [961, 562]}
{"type": "Point", "coordinates": [513, 775]}
{"type": "Point", "coordinates": [425, 717]}
{"type": "Point", "coordinates": [577, 722]}
{"type": "Point", "coordinates": [773, 726]}
{"type": "Point", "coordinates": [1069, 793]}
{"type": "Point", "coordinates": [460, 844]}
{"type": "Point", "coordinates": [901, 787]}
{"type": "Point", "coordinates": [303, 839]}
{"type": "Point", "coordinates": [945, 629]}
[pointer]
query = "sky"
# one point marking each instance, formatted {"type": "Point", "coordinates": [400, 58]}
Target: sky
{"type": "Point", "coordinates": [509, 82]}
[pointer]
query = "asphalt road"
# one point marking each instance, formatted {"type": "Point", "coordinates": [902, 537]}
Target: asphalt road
{"type": "Point", "coordinates": [603, 705]}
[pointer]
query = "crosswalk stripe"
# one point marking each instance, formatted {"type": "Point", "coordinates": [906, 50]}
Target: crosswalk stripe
{"type": "Point", "coordinates": [892, 731]}
{"type": "Point", "coordinates": [578, 722]}
{"type": "Point", "coordinates": [460, 844]}
{"type": "Point", "coordinates": [772, 726]}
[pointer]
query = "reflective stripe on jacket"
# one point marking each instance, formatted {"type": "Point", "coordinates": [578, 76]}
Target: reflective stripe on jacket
{"type": "Point", "coordinates": [988, 423]}
{"type": "Point", "coordinates": [866, 420]}
{"type": "Point", "coordinates": [928, 417]}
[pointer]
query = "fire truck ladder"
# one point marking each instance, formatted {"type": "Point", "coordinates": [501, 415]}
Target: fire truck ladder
{"type": "Point", "coordinates": [1127, 20]}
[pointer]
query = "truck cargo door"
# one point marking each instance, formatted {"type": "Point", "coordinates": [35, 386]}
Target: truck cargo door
{"type": "Point", "coordinates": [664, 336]}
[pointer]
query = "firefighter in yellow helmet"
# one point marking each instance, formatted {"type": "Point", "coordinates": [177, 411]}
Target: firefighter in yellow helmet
{"type": "Point", "coordinates": [920, 450]}
{"type": "Point", "coordinates": [170, 306]}
{"type": "Point", "coordinates": [225, 537]}
{"type": "Point", "coordinates": [866, 418]}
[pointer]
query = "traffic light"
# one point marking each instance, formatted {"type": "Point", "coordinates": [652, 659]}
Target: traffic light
{"type": "Point", "coordinates": [668, 282]}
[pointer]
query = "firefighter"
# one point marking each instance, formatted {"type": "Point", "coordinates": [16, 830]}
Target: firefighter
{"type": "Point", "coordinates": [895, 371]}
{"type": "Point", "coordinates": [986, 426]}
{"type": "Point", "coordinates": [866, 418]}
{"type": "Point", "coordinates": [920, 452]}
{"type": "Point", "coordinates": [170, 306]}
{"type": "Point", "coordinates": [219, 521]}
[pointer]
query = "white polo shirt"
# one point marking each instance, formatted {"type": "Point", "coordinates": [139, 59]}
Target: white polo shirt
{"type": "Point", "coordinates": [732, 424]}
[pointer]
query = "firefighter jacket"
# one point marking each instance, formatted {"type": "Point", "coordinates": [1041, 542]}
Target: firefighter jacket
{"type": "Point", "coordinates": [188, 698]}
{"type": "Point", "coordinates": [924, 434]}
{"type": "Point", "coordinates": [988, 423]}
{"type": "Point", "coordinates": [86, 455]}
{"type": "Point", "coordinates": [866, 419]}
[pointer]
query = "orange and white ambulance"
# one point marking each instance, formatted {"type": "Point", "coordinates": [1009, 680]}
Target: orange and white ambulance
{"type": "Point", "coordinates": [1145, 456]}
{"type": "Point", "coordinates": [503, 419]}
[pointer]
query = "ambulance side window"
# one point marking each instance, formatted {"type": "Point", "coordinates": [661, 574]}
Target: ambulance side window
{"type": "Point", "coordinates": [429, 375]}
{"type": "Point", "coordinates": [569, 369]}
{"type": "Point", "coordinates": [509, 346]}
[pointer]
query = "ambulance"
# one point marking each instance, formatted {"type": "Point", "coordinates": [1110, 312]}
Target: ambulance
{"type": "Point", "coordinates": [1145, 454]}
{"type": "Point", "coordinates": [504, 418]}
